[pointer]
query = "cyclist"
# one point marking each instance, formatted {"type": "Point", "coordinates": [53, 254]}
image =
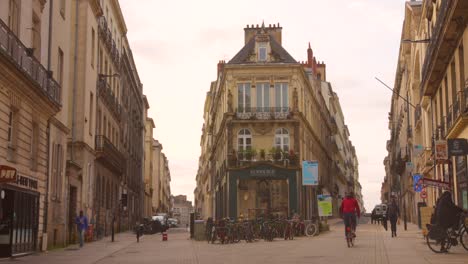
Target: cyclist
{"type": "Point", "coordinates": [349, 210]}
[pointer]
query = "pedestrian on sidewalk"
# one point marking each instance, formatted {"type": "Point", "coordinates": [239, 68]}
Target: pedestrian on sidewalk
{"type": "Point", "coordinates": [82, 225]}
{"type": "Point", "coordinates": [393, 213]}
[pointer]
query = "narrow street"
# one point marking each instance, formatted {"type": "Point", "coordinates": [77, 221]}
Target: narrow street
{"type": "Point", "coordinates": [373, 245]}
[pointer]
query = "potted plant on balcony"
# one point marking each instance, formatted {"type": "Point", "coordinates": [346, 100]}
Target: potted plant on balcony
{"type": "Point", "coordinates": [276, 153]}
{"type": "Point", "coordinates": [292, 157]}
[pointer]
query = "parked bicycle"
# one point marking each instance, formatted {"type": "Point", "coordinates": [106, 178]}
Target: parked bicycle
{"type": "Point", "coordinates": [440, 239]}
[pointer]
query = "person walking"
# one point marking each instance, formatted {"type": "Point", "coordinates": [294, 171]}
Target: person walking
{"type": "Point", "coordinates": [393, 213]}
{"type": "Point", "coordinates": [82, 225]}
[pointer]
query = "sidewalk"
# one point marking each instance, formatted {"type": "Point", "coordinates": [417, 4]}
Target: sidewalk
{"type": "Point", "coordinates": [91, 252]}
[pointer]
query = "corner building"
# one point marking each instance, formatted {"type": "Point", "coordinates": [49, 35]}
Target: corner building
{"type": "Point", "coordinates": [263, 115]}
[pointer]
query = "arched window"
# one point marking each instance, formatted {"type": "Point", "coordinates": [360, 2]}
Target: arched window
{"type": "Point", "coordinates": [282, 139]}
{"type": "Point", "coordinates": [244, 140]}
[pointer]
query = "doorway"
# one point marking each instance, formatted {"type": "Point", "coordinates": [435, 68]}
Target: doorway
{"type": "Point", "coordinates": [72, 203]}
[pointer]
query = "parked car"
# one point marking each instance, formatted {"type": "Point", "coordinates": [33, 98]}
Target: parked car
{"type": "Point", "coordinates": [173, 222]}
{"type": "Point", "coordinates": [163, 220]}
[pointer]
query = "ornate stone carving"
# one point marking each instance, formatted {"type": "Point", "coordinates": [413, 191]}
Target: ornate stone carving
{"type": "Point", "coordinates": [295, 100]}
{"type": "Point", "coordinates": [262, 128]}
{"type": "Point", "coordinates": [229, 101]}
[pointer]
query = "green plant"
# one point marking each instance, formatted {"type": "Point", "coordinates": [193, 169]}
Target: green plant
{"type": "Point", "coordinates": [262, 154]}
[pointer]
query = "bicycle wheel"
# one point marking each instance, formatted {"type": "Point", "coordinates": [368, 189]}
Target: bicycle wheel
{"type": "Point", "coordinates": [438, 245]}
{"type": "Point", "coordinates": [311, 230]}
{"type": "Point", "coordinates": [464, 239]}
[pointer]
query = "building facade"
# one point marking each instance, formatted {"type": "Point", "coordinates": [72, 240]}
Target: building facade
{"type": "Point", "coordinates": [181, 209]}
{"type": "Point", "coordinates": [429, 106]}
{"type": "Point", "coordinates": [263, 115]}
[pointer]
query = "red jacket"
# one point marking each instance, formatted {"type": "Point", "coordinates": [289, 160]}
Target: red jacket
{"type": "Point", "coordinates": [350, 205]}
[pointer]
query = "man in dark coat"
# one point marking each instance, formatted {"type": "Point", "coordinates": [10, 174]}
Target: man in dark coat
{"type": "Point", "coordinates": [393, 213]}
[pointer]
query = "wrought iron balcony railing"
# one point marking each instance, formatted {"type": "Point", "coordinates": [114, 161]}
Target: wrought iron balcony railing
{"type": "Point", "coordinates": [22, 58]}
{"type": "Point", "coordinates": [263, 113]}
{"type": "Point", "coordinates": [458, 108]}
{"type": "Point", "coordinates": [242, 159]}
{"type": "Point", "coordinates": [105, 33]}
{"type": "Point", "coordinates": [105, 92]}
{"type": "Point", "coordinates": [107, 151]}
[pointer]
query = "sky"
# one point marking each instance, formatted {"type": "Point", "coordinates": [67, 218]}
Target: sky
{"type": "Point", "coordinates": [177, 45]}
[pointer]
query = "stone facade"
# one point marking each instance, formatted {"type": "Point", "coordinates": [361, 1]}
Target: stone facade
{"type": "Point", "coordinates": [181, 209]}
{"type": "Point", "coordinates": [428, 105]}
{"type": "Point", "coordinates": [263, 115]}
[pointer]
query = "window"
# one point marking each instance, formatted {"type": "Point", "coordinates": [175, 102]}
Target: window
{"type": "Point", "coordinates": [282, 139]}
{"type": "Point", "coordinates": [244, 140]}
{"type": "Point", "coordinates": [60, 67]}
{"type": "Point", "coordinates": [34, 145]}
{"type": "Point", "coordinates": [14, 16]}
{"type": "Point", "coordinates": [262, 52]}
{"type": "Point", "coordinates": [263, 96]}
{"type": "Point", "coordinates": [11, 131]}
{"type": "Point", "coordinates": [91, 113]}
{"type": "Point", "coordinates": [93, 40]}
{"type": "Point", "coordinates": [36, 36]}
{"type": "Point", "coordinates": [62, 8]}
{"type": "Point", "coordinates": [281, 96]}
{"type": "Point", "coordinates": [57, 157]}
{"type": "Point", "coordinates": [243, 98]}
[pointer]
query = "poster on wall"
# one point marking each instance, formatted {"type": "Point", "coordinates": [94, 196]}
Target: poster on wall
{"type": "Point", "coordinates": [310, 173]}
{"type": "Point", "coordinates": [325, 206]}
{"type": "Point", "coordinates": [441, 150]}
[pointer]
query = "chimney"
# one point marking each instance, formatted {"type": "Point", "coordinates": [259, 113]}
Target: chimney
{"type": "Point", "coordinates": [310, 56]}
{"type": "Point", "coordinates": [274, 32]}
{"type": "Point", "coordinates": [220, 66]}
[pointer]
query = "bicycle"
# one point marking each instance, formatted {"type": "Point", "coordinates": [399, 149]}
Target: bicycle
{"type": "Point", "coordinates": [350, 230]}
{"type": "Point", "coordinates": [312, 228]}
{"type": "Point", "coordinates": [440, 239]}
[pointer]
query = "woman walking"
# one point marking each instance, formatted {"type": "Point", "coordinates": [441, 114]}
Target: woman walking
{"type": "Point", "coordinates": [393, 213]}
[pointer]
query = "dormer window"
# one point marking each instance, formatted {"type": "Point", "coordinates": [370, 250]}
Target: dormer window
{"type": "Point", "coordinates": [262, 52]}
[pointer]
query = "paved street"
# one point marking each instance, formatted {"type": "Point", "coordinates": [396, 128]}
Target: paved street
{"type": "Point", "coordinates": [373, 245]}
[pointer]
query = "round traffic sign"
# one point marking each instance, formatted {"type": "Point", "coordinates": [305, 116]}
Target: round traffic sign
{"type": "Point", "coordinates": [423, 194]}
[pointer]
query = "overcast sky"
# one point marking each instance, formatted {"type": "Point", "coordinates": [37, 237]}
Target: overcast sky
{"type": "Point", "coordinates": [177, 45]}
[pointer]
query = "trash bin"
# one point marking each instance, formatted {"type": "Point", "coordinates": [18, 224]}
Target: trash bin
{"type": "Point", "coordinates": [199, 230]}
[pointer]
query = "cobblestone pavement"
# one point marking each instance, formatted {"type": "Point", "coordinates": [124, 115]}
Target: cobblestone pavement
{"type": "Point", "coordinates": [373, 245]}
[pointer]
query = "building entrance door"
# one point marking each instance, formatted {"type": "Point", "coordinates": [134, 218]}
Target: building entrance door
{"type": "Point", "coordinates": [72, 213]}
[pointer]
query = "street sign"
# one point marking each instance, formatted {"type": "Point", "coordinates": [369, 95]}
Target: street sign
{"type": "Point", "coordinates": [423, 194]}
{"type": "Point", "coordinates": [7, 174]}
{"type": "Point", "coordinates": [441, 150]}
{"type": "Point", "coordinates": [310, 173]}
{"type": "Point", "coordinates": [436, 183]}
{"type": "Point", "coordinates": [457, 147]}
{"type": "Point", "coordinates": [417, 183]}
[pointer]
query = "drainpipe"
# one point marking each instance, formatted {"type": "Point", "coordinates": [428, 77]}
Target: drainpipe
{"type": "Point", "coordinates": [46, 201]}
{"type": "Point", "coordinates": [75, 78]}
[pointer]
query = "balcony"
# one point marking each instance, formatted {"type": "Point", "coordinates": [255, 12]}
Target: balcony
{"type": "Point", "coordinates": [445, 37]}
{"type": "Point", "coordinates": [16, 52]}
{"type": "Point", "coordinates": [105, 92]}
{"type": "Point", "coordinates": [252, 157]}
{"type": "Point", "coordinates": [457, 115]}
{"type": "Point", "coordinates": [107, 152]}
{"type": "Point", "coordinates": [106, 35]}
{"type": "Point", "coordinates": [263, 113]}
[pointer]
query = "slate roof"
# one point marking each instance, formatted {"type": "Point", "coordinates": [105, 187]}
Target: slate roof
{"type": "Point", "coordinates": [278, 52]}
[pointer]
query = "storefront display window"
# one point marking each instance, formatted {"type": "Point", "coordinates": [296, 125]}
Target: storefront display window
{"type": "Point", "coordinates": [462, 182]}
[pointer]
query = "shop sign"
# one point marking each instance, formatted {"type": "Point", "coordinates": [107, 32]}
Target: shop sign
{"type": "Point", "coordinates": [457, 147]}
{"type": "Point", "coordinates": [262, 173]}
{"type": "Point", "coordinates": [7, 174]}
{"type": "Point", "coordinates": [441, 150]}
{"type": "Point", "coordinates": [27, 182]}
{"type": "Point", "coordinates": [417, 183]}
{"type": "Point", "coordinates": [436, 183]}
{"type": "Point", "coordinates": [310, 173]}
{"type": "Point", "coordinates": [325, 207]}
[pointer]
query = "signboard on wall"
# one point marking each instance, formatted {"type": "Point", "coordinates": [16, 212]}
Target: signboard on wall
{"type": "Point", "coordinates": [325, 207]}
{"type": "Point", "coordinates": [310, 173]}
{"type": "Point", "coordinates": [436, 183]}
{"type": "Point", "coordinates": [7, 174]}
{"type": "Point", "coordinates": [457, 147]}
{"type": "Point", "coordinates": [441, 150]}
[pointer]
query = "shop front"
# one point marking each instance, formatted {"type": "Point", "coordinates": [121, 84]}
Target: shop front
{"type": "Point", "coordinates": [462, 181]}
{"type": "Point", "coordinates": [19, 217]}
{"type": "Point", "coordinates": [262, 190]}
